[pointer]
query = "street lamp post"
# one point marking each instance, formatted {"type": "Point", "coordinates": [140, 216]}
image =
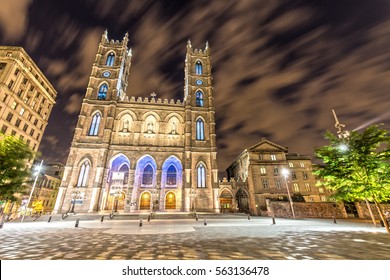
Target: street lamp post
{"type": "Point", "coordinates": [193, 195]}
{"type": "Point", "coordinates": [32, 189]}
{"type": "Point", "coordinates": [285, 173]}
{"type": "Point", "coordinates": [75, 195]}
{"type": "Point", "coordinates": [115, 206]}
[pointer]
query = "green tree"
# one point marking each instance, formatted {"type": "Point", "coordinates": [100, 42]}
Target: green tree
{"type": "Point", "coordinates": [357, 168]}
{"type": "Point", "coordinates": [14, 156]}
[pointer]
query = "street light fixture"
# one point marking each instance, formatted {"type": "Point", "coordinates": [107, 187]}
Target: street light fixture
{"type": "Point", "coordinates": [285, 173]}
{"type": "Point", "coordinates": [32, 189]}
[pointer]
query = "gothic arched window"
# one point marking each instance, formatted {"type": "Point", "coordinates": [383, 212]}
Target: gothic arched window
{"type": "Point", "coordinates": [201, 176]}
{"type": "Point", "coordinates": [147, 176]}
{"type": "Point", "coordinates": [198, 68]}
{"type": "Point", "coordinates": [199, 129]}
{"type": "Point", "coordinates": [199, 98]}
{"type": "Point", "coordinates": [110, 59]}
{"type": "Point", "coordinates": [171, 175]}
{"type": "Point", "coordinates": [102, 92]}
{"type": "Point", "coordinates": [94, 128]}
{"type": "Point", "coordinates": [83, 175]}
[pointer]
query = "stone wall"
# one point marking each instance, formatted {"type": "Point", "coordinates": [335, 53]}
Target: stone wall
{"type": "Point", "coordinates": [306, 209]}
{"type": "Point", "coordinates": [364, 213]}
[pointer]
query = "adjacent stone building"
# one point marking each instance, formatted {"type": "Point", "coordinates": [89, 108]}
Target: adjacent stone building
{"type": "Point", "coordinates": [131, 154]}
{"type": "Point", "coordinates": [26, 97]}
{"type": "Point", "coordinates": [256, 176]}
{"type": "Point", "coordinates": [46, 189]}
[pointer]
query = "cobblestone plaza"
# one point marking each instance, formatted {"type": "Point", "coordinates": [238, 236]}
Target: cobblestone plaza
{"type": "Point", "coordinates": [188, 239]}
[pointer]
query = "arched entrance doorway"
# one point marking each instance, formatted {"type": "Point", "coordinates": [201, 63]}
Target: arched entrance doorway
{"type": "Point", "coordinates": [116, 201]}
{"type": "Point", "coordinates": [170, 201]}
{"type": "Point", "coordinates": [145, 201]}
{"type": "Point", "coordinates": [242, 201]}
{"type": "Point", "coordinates": [226, 201]}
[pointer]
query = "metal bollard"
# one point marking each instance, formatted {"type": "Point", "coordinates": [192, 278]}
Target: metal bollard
{"type": "Point", "coordinates": [273, 220]}
{"type": "Point", "coordinates": [249, 216]}
{"type": "Point", "coordinates": [205, 222]}
{"type": "Point", "coordinates": [140, 223]}
{"type": "Point", "coordinates": [77, 223]}
{"type": "Point", "coordinates": [149, 218]}
{"type": "Point", "coordinates": [196, 216]}
{"type": "Point", "coordinates": [102, 219]}
{"type": "Point", "coordinates": [334, 220]}
{"type": "Point", "coordinates": [49, 220]}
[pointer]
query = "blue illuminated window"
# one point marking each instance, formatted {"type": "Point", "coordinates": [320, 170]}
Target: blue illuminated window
{"type": "Point", "coordinates": [83, 175]}
{"type": "Point", "coordinates": [94, 128]}
{"type": "Point", "coordinates": [199, 98]}
{"type": "Point", "coordinates": [199, 130]}
{"type": "Point", "coordinates": [102, 92]}
{"type": "Point", "coordinates": [171, 175]}
{"type": "Point", "coordinates": [147, 176]}
{"type": "Point", "coordinates": [201, 176]}
{"type": "Point", "coordinates": [198, 68]}
{"type": "Point", "coordinates": [110, 59]}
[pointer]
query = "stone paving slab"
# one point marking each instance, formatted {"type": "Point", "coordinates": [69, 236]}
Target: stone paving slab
{"type": "Point", "coordinates": [186, 239]}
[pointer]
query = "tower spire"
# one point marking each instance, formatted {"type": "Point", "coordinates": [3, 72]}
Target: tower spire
{"type": "Point", "coordinates": [189, 44]}
{"type": "Point", "coordinates": [105, 36]}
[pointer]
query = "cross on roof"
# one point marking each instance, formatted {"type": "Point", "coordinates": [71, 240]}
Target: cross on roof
{"type": "Point", "coordinates": [153, 95]}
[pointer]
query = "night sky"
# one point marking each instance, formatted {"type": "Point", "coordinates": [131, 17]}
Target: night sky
{"type": "Point", "coordinates": [279, 67]}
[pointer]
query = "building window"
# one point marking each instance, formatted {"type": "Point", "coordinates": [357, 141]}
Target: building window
{"type": "Point", "coordinates": [9, 117]}
{"type": "Point", "coordinates": [102, 92]}
{"type": "Point", "coordinates": [10, 84]}
{"type": "Point", "coordinates": [28, 142]}
{"type": "Point", "coordinates": [147, 176]}
{"type": "Point", "coordinates": [293, 175]}
{"type": "Point", "coordinates": [25, 127]}
{"type": "Point", "coordinates": [264, 182]}
{"type": "Point", "coordinates": [199, 98]}
{"type": "Point", "coordinates": [16, 72]}
{"type": "Point", "coordinates": [198, 68]}
{"type": "Point", "coordinates": [14, 105]}
{"type": "Point", "coordinates": [83, 175]}
{"type": "Point", "coordinates": [302, 164]}
{"type": "Point", "coordinates": [35, 121]}
{"type": "Point", "coordinates": [295, 187]}
{"type": "Point", "coordinates": [201, 176]}
{"type": "Point", "coordinates": [21, 111]}
{"type": "Point", "coordinates": [307, 187]}
{"type": "Point", "coordinates": [110, 59]}
{"type": "Point", "coordinates": [5, 97]}
{"type": "Point", "coordinates": [291, 165]}
{"type": "Point", "coordinates": [321, 190]}
{"type": "Point", "coordinates": [276, 170]}
{"type": "Point", "coordinates": [38, 135]}
{"type": "Point", "coordinates": [263, 170]}
{"type": "Point", "coordinates": [261, 157]}
{"type": "Point", "coordinates": [305, 176]}
{"type": "Point", "coordinates": [17, 123]}
{"type": "Point", "coordinates": [32, 132]}
{"type": "Point", "coordinates": [171, 175]}
{"type": "Point", "coordinates": [4, 129]}
{"type": "Point", "coordinates": [273, 157]}
{"type": "Point", "coordinates": [278, 183]}
{"type": "Point", "coordinates": [310, 199]}
{"type": "Point", "coordinates": [94, 128]}
{"type": "Point", "coordinates": [21, 137]}
{"type": "Point", "coordinates": [13, 132]}
{"type": "Point", "coordinates": [20, 93]}
{"type": "Point", "coordinates": [323, 198]}
{"type": "Point", "coordinates": [199, 129]}
{"type": "Point", "coordinates": [24, 81]}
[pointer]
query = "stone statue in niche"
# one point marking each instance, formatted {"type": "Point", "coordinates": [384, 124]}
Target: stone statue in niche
{"type": "Point", "coordinates": [150, 127]}
{"type": "Point", "coordinates": [125, 126]}
{"type": "Point", "coordinates": [174, 128]}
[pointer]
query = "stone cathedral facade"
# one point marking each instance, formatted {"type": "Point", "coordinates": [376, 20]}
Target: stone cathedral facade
{"type": "Point", "coordinates": [132, 154]}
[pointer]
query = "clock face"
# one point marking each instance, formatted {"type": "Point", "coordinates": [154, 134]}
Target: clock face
{"type": "Point", "coordinates": [199, 82]}
{"type": "Point", "coordinates": [106, 74]}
